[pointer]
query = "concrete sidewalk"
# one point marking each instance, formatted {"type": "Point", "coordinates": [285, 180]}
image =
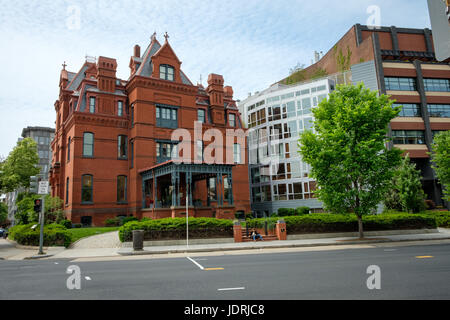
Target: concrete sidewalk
{"type": "Point", "coordinates": [14, 253]}
{"type": "Point", "coordinates": [441, 234]}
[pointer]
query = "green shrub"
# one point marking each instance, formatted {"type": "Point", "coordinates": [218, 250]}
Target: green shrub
{"type": "Point", "coordinates": [77, 225]}
{"type": "Point", "coordinates": [66, 223]}
{"type": "Point", "coordinates": [128, 219]}
{"type": "Point", "coordinates": [442, 217]}
{"type": "Point", "coordinates": [54, 235]}
{"type": "Point", "coordinates": [240, 215]}
{"type": "Point", "coordinates": [176, 228]}
{"type": "Point", "coordinates": [300, 211]}
{"type": "Point", "coordinates": [286, 212]}
{"type": "Point", "coordinates": [274, 215]}
{"type": "Point", "coordinates": [323, 223]}
{"type": "Point", "coordinates": [114, 222]}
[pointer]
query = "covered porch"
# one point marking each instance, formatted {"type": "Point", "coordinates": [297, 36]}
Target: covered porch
{"type": "Point", "coordinates": [207, 189]}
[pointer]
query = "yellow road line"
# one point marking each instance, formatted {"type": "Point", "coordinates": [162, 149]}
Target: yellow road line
{"type": "Point", "coordinates": [213, 269]}
{"type": "Point", "coordinates": [424, 257]}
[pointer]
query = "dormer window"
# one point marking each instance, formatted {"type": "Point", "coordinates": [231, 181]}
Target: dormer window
{"type": "Point", "coordinates": [166, 72]}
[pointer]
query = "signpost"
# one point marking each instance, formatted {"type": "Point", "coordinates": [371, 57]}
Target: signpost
{"type": "Point", "coordinates": [187, 217]}
{"type": "Point", "coordinates": [42, 190]}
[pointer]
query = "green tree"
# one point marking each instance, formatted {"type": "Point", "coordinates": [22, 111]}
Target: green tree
{"type": "Point", "coordinates": [441, 160]}
{"type": "Point", "coordinates": [20, 165]}
{"type": "Point", "coordinates": [348, 154]}
{"type": "Point", "coordinates": [407, 188]}
{"type": "Point", "coordinates": [53, 209]}
{"type": "Point", "coordinates": [3, 213]}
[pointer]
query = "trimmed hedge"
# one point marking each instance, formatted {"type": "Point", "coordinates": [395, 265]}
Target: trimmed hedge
{"type": "Point", "coordinates": [323, 223]}
{"type": "Point", "coordinates": [287, 212]}
{"type": "Point", "coordinates": [442, 217]}
{"type": "Point", "coordinates": [175, 229]}
{"type": "Point", "coordinates": [54, 235]}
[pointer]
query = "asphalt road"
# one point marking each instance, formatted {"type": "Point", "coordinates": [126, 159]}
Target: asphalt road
{"type": "Point", "coordinates": [407, 272]}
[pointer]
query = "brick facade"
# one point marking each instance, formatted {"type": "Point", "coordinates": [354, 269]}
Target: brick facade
{"type": "Point", "coordinates": [95, 101]}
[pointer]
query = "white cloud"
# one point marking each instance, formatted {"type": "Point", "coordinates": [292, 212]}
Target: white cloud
{"type": "Point", "coordinates": [252, 43]}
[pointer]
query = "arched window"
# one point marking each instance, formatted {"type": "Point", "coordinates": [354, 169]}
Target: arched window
{"type": "Point", "coordinates": [87, 188]}
{"type": "Point", "coordinates": [166, 72]}
{"type": "Point", "coordinates": [88, 144]}
{"type": "Point", "coordinates": [121, 189]}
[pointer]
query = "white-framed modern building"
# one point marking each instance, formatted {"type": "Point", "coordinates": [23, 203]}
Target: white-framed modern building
{"type": "Point", "coordinates": [276, 117]}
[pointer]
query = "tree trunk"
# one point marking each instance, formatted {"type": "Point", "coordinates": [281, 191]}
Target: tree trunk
{"type": "Point", "coordinates": [360, 228]}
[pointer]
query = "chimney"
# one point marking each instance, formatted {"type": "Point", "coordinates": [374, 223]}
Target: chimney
{"type": "Point", "coordinates": [106, 74]}
{"type": "Point", "coordinates": [216, 95]}
{"type": "Point", "coordinates": [228, 92]}
{"type": "Point", "coordinates": [137, 51]}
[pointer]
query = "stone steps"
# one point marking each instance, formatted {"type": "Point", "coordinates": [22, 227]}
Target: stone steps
{"type": "Point", "coordinates": [266, 238]}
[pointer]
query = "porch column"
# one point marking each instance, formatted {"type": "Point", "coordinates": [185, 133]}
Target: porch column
{"type": "Point", "coordinates": [230, 186]}
{"type": "Point", "coordinates": [208, 199]}
{"type": "Point", "coordinates": [219, 189]}
{"type": "Point", "coordinates": [178, 190]}
{"type": "Point", "coordinates": [189, 187]}
{"type": "Point", "coordinates": [143, 192]}
{"type": "Point", "coordinates": [155, 192]}
{"type": "Point", "coordinates": [174, 182]}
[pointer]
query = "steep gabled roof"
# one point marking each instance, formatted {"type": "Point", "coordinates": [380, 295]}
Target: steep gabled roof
{"type": "Point", "coordinates": [146, 64]}
{"type": "Point", "coordinates": [76, 80]}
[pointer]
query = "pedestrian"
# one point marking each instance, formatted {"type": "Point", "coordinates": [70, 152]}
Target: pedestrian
{"type": "Point", "coordinates": [256, 235]}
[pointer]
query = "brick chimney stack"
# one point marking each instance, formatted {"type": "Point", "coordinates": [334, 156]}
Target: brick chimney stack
{"type": "Point", "coordinates": [137, 51]}
{"type": "Point", "coordinates": [106, 74]}
{"type": "Point", "coordinates": [228, 92]}
{"type": "Point", "coordinates": [216, 95]}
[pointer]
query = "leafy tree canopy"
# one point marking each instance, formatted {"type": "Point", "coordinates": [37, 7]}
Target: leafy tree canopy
{"type": "Point", "coordinates": [441, 160]}
{"type": "Point", "coordinates": [20, 165]}
{"type": "Point", "coordinates": [347, 153]}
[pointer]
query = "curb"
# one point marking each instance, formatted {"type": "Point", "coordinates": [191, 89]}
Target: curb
{"type": "Point", "coordinates": [139, 253]}
{"type": "Point", "coordinates": [19, 246]}
{"type": "Point", "coordinates": [38, 257]}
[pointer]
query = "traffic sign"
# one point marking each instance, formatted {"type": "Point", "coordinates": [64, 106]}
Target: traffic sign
{"type": "Point", "coordinates": [43, 187]}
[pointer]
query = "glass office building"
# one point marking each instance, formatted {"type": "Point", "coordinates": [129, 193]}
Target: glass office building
{"type": "Point", "coordinates": [275, 118]}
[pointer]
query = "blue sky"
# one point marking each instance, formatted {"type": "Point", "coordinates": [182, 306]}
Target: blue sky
{"type": "Point", "coordinates": [252, 43]}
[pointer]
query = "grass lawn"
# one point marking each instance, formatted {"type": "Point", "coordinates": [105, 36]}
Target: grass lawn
{"type": "Point", "coordinates": [78, 233]}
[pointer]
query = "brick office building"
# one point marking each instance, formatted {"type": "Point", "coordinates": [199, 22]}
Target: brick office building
{"type": "Point", "coordinates": [114, 153]}
{"type": "Point", "coordinates": [401, 63]}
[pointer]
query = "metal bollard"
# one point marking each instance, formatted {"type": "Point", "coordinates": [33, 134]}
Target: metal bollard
{"type": "Point", "coordinates": [138, 240]}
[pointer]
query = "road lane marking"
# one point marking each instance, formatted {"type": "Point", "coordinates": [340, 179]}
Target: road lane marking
{"type": "Point", "coordinates": [390, 250]}
{"type": "Point", "coordinates": [196, 263]}
{"type": "Point", "coordinates": [88, 278]}
{"type": "Point", "coordinates": [424, 257]}
{"type": "Point", "coordinates": [231, 289]}
{"type": "Point", "coordinates": [201, 267]}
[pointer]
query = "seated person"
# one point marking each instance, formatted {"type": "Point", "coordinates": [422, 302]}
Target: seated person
{"type": "Point", "coordinates": [256, 235]}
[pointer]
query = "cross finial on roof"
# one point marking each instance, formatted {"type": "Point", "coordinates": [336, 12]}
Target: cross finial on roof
{"type": "Point", "coordinates": [64, 65]}
{"type": "Point", "coordinates": [166, 35]}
